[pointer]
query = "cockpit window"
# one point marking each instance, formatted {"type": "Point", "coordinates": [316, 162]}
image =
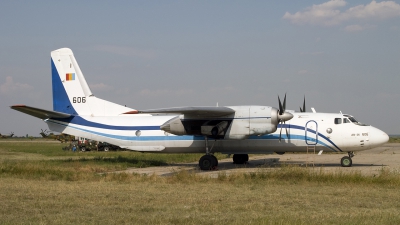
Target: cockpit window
{"type": "Point", "coordinates": [345, 120]}
{"type": "Point", "coordinates": [353, 120]}
{"type": "Point", "coordinates": [338, 120]}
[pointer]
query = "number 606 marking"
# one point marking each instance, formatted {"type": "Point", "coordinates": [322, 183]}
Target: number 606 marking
{"type": "Point", "coordinates": [79, 100]}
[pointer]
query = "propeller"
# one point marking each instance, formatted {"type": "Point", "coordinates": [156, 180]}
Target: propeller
{"type": "Point", "coordinates": [304, 105]}
{"type": "Point", "coordinates": [283, 116]}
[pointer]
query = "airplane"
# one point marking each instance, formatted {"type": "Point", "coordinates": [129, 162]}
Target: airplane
{"type": "Point", "coordinates": [237, 130]}
{"type": "Point", "coordinates": [7, 136]}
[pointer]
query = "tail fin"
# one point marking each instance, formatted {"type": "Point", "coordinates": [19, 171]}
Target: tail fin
{"type": "Point", "coordinates": [71, 93]}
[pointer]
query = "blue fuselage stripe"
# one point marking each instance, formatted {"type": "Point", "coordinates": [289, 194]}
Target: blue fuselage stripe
{"type": "Point", "coordinates": [76, 120]}
{"type": "Point", "coordinates": [80, 121]}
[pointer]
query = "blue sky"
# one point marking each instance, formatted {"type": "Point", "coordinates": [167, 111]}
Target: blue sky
{"type": "Point", "coordinates": [342, 55]}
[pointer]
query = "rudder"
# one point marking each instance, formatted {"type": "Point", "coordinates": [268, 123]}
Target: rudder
{"type": "Point", "coordinates": [71, 93]}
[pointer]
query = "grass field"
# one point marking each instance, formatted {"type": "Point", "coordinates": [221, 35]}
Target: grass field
{"type": "Point", "coordinates": [42, 184]}
{"type": "Point", "coordinates": [394, 139]}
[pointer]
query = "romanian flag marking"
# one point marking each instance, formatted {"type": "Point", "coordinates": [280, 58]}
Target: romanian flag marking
{"type": "Point", "coordinates": [70, 76]}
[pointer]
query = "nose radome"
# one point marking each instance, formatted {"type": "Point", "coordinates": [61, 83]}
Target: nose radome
{"type": "Point", "coordinates": [378, 137]}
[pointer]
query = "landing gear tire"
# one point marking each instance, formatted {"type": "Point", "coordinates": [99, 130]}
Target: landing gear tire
{"type": "Point", "coordinates": [106, 149]}
{"type": "Point", "coordinates": [216, 160]}
{"type": "Point", "coordinates": [208, 162]}
{"type": "Point", "coordinates": [346, 161]}
{"type": "Point", "coordinates": [83, 149]}
{"type": "Point", "coordinates": [240, 158]}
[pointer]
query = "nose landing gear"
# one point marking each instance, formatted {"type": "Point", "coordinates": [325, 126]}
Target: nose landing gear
{"type": "Point", "coordinates": [346, 161]}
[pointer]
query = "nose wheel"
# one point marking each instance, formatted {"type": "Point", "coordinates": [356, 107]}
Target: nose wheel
{"type": "Point", "coordinates": [346, 161]}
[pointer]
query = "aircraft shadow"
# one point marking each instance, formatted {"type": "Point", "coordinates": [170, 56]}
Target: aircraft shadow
{"type": "Point", "coordinates": [275, 163]}
{"type": "Point", "coordinates": [119, 159]}
{"type": "Point", "coordinates": [272, 163]}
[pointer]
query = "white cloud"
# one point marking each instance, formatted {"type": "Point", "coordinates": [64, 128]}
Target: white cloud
{"type": "Point", "coordinates": [286, 80]}
{"type": "Point", "coordinates": [312, 53]}
{"type": "Point", "coordinates": [127, 51]}
{"type": "Point", "coordinates": [10, 87]}
{"type": "Point", "coordinates": [302, 72]}
{"type": "Point", "coordinates": [100, 87]}
{"type": "Point", "coordinates": [394, 27]}
{"type": "Point", "coordinates": [316, 53]}
{"type": "Point", "coordinates": [165, 92]}
{"type": "Point", "coordinates": [374, 10]}
{"type": "Point", "coordinates": [329, 14]}
{"type": "Point", "coordinates": [221, 90]}
{"type": "Point", "coordinates": [356, 27]}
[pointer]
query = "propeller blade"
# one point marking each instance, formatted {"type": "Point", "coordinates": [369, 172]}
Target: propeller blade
{"type": "Point", "coordinates": [280, 106]}
{"type": "Point", "coordinates": [304, 105]}
{"type": "Point", "coordinates": [283, 116]}
{"type": "Point", "coordinates": [287, 134]}
{"type": "Point", "coordinates": [284, 103]}
{"type": "Point", "coordinates": [280, 133]}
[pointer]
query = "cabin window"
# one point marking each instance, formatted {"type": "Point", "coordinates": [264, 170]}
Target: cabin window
{"type": "Point", "coordinates": [345, 120]}
{"type": "Point", "coordinates": [338, 120]}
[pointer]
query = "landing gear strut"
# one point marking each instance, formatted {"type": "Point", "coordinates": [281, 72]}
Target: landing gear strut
{"type": "Point", "coordinates": [208, 161]}
{"type": "Point", "coordinates": [346, 161]}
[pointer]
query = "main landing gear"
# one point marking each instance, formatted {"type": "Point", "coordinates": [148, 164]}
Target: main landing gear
{"type": "Point", "coordinates": [346, 160]}
{"type": "Point", "coordinates": [210, 162]}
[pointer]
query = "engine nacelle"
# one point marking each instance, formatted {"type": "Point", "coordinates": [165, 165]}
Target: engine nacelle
{"type": "Point", "coordinates": [215, 130]}
{"type": "Point", "coordinates": [174, 126]}
{"type": "Point", "coordinates": [247, 121]}
{"type": "Point", "coordinates": [252, 120]}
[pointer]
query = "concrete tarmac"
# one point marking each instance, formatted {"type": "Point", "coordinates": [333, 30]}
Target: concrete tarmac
{"type": "Point", "coordinates": [368, 162]}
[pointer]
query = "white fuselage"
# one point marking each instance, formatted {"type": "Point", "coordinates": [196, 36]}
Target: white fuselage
{"type": "Point", "coordinates": [142, 132]}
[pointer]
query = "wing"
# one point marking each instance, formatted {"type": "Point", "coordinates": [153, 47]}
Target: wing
{"type": "Point", "coordinates": [40, 113]}
{"type": "Point", "coordinates": [209, 120]}
{"type": "Point", "coordinates": [208, 111]}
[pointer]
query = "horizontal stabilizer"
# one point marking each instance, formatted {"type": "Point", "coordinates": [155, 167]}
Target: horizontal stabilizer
{"type": "Point", "coordinates": [40, 113]}
{"type": "Point", "coordinates": [193, 111]}
{"type": "Point", "coordinates": [144, 148]}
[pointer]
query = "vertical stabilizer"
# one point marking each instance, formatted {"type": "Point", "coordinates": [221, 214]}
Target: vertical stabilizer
{"type": "Point", "coordinates": [71, 93]}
